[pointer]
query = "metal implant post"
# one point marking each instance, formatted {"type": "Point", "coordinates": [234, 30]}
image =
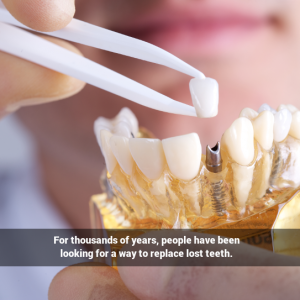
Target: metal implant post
{"type": "Point", "coordinates": [214, 165]}
{"type": "Point", "coordinates": [214, 158]}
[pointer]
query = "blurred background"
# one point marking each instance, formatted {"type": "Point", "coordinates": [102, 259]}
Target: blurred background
{"type": "Point", "coordinates": [50, 162]}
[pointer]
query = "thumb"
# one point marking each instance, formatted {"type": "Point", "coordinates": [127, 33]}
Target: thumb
{"type": "Point", "coordinates": [212, 282]}
{"type": "Point", "coordinates": [87, 283]}
{"type": "Point", "coordinates": [24, 83]}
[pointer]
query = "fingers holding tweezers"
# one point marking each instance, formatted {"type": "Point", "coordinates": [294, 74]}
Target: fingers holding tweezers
{"type": "Point", "coordinates": [25, 83]}
{"type": "Point", "coordinates": [42, 15]}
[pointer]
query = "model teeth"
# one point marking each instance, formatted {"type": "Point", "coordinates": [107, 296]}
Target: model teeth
{"type": "Point", "coordinates": [265, 106]}
{"type": "Point", "coordinates": [242, 182]}
{"type": "Point", "coordinates": [126, 115]}
{"type": "Point", "coordinates": [149, 156]}
{"type": "Point", "coordinates": [263, 127]}
{"type": "Point", "coordinates": [109, 157]}
{"type": "Point", "coordinates": [282, 124]}
{"type": "Point", "coordinates": [123, 129]}
{"type": "Point", "coordinates": [239, 140]}
{"type": "Point", "coordinates": [175, 187]}
{"type": "Point", "coordinates": [290, 107]}
{"type": "Point", "coordinates": [295, 126]}
{"type": "Point", "coordinates": [183, 154]}
{"type": "Point", "coordinates": [120, 148]}
{"type": "Point", "coordinates": [249, 113]}
{"type": "Point", "coordinates": [124, 124]}
{"type": "Point", "coordinates": [205, 96]}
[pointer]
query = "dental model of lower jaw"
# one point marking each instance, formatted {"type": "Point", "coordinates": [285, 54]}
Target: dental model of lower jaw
{"type": "Point", "coordinates": [170, 184]}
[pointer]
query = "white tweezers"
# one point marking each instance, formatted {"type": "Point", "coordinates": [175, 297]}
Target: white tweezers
{"type": "Point", "coordinates": [28, 46]}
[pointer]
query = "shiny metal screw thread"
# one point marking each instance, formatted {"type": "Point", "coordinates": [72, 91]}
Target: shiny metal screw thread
{"type": "Point", "coordinates": [218, 198]}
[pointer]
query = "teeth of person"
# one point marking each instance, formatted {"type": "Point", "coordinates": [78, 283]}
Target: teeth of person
{"type": "Point", "coordinates": [149, 156]}
{"type": "Point", "coordinates": [265, 106]}
{"type": "Point", "coordinates": [263, 127]}
{"type": "Point", "coordinates": [295, 126]}
{"type": "Point", "coordinates": [109, 157]}
{"type": "Point", "coordinates": [123, 129]}
{"type": "Point", "coordinates": [282, 124]}
{"type": "Point", "coordinates": [239, 140]}
{"type": "Point", "coordinates": [205, 96]}
{"type": "Point", "coordinates": [249, 113]}
{"type": "Point", "coordinates": [290, 107]}
{"type": "Point", "coordinates": [120, 149]}
{"type": "Point", "coordinates": [183, 154]}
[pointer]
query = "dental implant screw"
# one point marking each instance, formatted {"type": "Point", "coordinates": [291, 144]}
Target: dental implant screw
{"type": "Point", "coordinates": [217, 193]}
{"type": "Point", "coordinates": [214, 158]}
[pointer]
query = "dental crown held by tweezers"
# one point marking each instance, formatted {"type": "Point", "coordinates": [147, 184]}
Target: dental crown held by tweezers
{"type": "Point", "coordinates": [13, 40]}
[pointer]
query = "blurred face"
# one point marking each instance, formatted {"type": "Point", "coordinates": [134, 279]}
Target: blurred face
{"type": "Point", "coordinates": [251, 47]}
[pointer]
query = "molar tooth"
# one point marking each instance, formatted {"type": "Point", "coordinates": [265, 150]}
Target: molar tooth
{"type": "Point", "coordinates": [123, 129]}
{"type": "Point", "coordinates": [127, 115]}
{"type": "Point", "coordinates": [99, 124]}
{"type": "Point", "coordinates": [239, 139]}
{"type": "Point", "coordinates": [149, 156]}
{"type": "Point", "coordinates": [205, 96]}
{"type": "Point", "coordinates": [295, 126]}
{"type": "Point", "coordinates": [249, 113]}
{"type": "Point", "coordinates": [282, 124]}
{"type": "Point", "coordinates": [263, 127]}
{"type": "Point", "coordinates": [120, 148]}
{"type": "Point", "coordinates": [183, 154]}
{"type": "Point", "coordinates": [290, 107]}
{"type": "Point", "coordinates": [109, 157]}
{"type": "Point", "coordinates": [266, 106]}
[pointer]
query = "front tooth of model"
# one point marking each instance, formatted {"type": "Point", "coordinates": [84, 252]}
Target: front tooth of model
{"type": "Point", "coordinates": [265, 106]}
{"type": "Point", "coordinates": [205, 96]}
{"type": "Point", "coordinates": [127, 115]}
{"type": "Point", "coordinates": [123, 129]}
{"type": "Point", "coordinates": [249, 113]}
{"type": "Point", "coordinates": [183, 154]}
{"type": "Point", "coordinates": [149, 156]}
{"type": "Point", "coordinates": [263, 127]}
{"type": "Point", "coordinates": [239, 139]}
{"type": "Point", "coordinates": [282, 124]}
{"type": "Point", "coordinates": [295, 126]}
{"type": "Point", "coordinates": [109, 157]}
{"type": "Point", "coordinates": [120, 148]}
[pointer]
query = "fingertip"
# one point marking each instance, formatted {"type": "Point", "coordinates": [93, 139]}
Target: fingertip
{"type": "Point", "coordinates": [146, 282]}
{"type": "Point", "coordinates": [88, 282]}
{"type": "Point", "coordinates": [42, 15]}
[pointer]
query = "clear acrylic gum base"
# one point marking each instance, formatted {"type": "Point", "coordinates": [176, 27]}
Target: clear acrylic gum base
{"type": "Point", "coordinates": [209, 201]}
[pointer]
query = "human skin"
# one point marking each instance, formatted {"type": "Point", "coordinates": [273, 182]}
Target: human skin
{"type": "Point", "coordinates": [262, 66]}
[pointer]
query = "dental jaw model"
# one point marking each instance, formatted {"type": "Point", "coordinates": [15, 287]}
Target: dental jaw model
{"type": "Point", "coordinates": [170, 184]}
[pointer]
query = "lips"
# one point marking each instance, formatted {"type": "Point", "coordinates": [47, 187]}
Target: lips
{"type": "Point", "coordinates": [195, 31]}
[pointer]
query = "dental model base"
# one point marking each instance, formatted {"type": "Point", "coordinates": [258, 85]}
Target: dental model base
{"type": "Point", "coordinates": [242, 182]}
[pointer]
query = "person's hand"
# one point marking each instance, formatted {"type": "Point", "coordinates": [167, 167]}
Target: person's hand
{"type": "Point", "coordinates": [177, 283]}
{"type": "Point", "coordinates": [24, 83]}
